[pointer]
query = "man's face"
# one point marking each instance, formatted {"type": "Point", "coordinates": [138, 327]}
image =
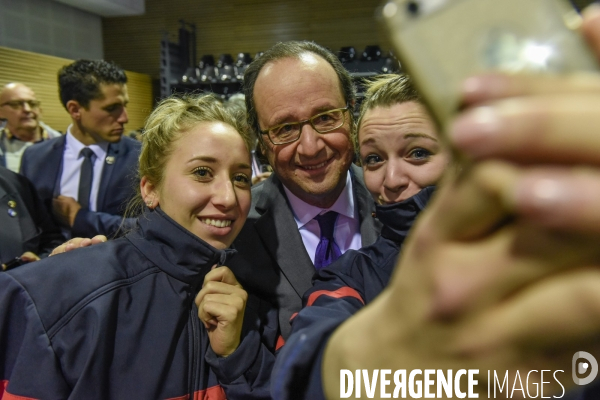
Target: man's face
{"type": "Point", "coordinates": [314, 167]}
{"type": "Point", "coordinates": [104, 118]}
{"type": "Point", "coordinates": [17, 109]}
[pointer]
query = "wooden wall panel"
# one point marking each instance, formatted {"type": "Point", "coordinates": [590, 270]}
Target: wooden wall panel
{"type": "Point", "coordinates": [141, 101]}
{"type": "Point", "coordinates": [236, 26]}
{"type": "Point", "coordinates": [39, 71]}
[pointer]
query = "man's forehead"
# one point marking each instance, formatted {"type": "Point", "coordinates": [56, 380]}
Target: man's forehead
{"type": "Point", "coordinates": [112, 90]}
{"type": "Point", "coordinates": [306, 60]}
{"type": "Point", "coordinates": [16, 91]}
{"type": "Point", "coordinates": [293, 70]}
{"type": "Point", "coordinates": [294, 86]}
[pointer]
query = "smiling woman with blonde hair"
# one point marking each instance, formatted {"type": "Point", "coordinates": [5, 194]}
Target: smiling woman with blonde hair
{"type": "Point", "coordinates": [154, 314]}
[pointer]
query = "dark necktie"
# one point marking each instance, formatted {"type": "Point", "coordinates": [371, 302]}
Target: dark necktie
{"type": "Point", "coordinates": [327, 250]}
{"type": "Point", "coordinates": [86, 177]}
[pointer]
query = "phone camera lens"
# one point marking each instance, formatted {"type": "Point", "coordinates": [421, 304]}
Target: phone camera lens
{"type": "Point", "coordinates": [412, 7]}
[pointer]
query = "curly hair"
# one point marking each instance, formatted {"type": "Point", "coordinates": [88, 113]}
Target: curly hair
{"type": "Point", "coordinates": [81, 80]}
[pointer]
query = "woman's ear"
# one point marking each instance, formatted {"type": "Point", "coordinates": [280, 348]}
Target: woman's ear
{"type": "Point", "coordinates": [149, 193]}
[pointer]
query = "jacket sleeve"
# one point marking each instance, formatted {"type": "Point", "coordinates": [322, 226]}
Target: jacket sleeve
{"type": "Point", "coordinates": [28, 366]}
{"type": "Point", "coordinates": [50, 235]}
{"type": "Point", "coordinates": [335, 296]}
{"type": "Point", "coordinates": [91, 223]}
{"type": "Point", "coordinates": [246, 373]}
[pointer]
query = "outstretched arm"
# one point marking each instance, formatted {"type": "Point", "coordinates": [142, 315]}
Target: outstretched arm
{"type": "Point", "coordinates": [499, 273]}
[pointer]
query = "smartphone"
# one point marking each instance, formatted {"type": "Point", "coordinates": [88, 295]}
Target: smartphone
{"type": "Point", "coordinates": [442, 42]}
{"type": "Point", "coordinates": [15, 262]}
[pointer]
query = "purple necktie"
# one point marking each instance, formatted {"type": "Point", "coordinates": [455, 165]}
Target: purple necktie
{"type": "Point", "coordinates": [327, 250]}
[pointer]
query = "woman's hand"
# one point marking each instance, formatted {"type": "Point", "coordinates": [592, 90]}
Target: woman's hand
{"type": "Point", "coordinates": [77, 243]}
{"type": "Point", "coordinates": [221, 305]}
{"type": "Point", "coordinates": [500, 272]}
{"type": "Point", "coordinates": [28, 257]}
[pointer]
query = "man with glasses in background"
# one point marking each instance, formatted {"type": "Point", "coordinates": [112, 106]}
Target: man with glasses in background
{"type": "Point", "coordinates": [21, 111]}
{"type": "Point", "coordinates": [314, 207]}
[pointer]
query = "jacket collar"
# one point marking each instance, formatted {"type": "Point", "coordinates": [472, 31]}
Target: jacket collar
{"type": "Point", "coordinates": [5, 132]}
{"type": "Point", "coordinates": [271, 191]}
{"type": "Point", "coordinates": [398, 218]}
{"type": "Point", "coordinates": [174, 249]}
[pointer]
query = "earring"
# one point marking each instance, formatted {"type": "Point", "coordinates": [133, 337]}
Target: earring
{"type": "Point", "coordinates": [149, 203]}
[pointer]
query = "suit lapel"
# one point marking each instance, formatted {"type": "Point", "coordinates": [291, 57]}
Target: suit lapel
{"type": "Point", "coordinates": [54, 163]}
{"type": "Point", "coordinates": [278, 231]}
{"type": "Point", "coordinates": [110, 163]}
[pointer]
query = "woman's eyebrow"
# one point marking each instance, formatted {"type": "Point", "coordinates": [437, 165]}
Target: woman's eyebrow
{"type": "Point", "coordinates": [214, 160]}
{"type": "Point", "coordinates": [243, 166]}
{"type": "Point", "coordinates": [420, 135]}
{"type": "Point", "coordinates": [207, 159]}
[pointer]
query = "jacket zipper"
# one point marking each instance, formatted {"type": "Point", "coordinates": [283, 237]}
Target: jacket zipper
{"type": "Point", "coordinates": [193, 323]}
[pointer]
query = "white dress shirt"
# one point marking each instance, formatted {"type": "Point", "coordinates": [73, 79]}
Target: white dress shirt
{"type": "Point", "coordinates": [347, 225]}
{"type": "Point", "coordinates": [71, 168]}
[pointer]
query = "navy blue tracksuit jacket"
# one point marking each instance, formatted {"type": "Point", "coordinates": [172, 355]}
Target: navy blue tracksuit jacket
{"type": "Point", "coordinates": [118, 321]}
{"type": "Point", "coordinates": [339, 291]}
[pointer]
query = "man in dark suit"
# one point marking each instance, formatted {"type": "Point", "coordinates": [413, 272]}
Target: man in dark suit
{"type": "Point", "coordinates": [299, 101]}
{"type": "Point", "coordinates": [27, 230]}
{"type": "Point", "coordinates": [86, 177]}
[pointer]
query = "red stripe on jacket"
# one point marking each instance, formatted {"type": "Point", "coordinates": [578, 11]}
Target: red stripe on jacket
{"type": "Point", "coordinates": [4, 395]}
{"type": "Point", "coordinates": [341, 292]}
{"type": "Point", "coordinates": [212, 393]}
{"type": "Point", "coordinates": [280, 343]}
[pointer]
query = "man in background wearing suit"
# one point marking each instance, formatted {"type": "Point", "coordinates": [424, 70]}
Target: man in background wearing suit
{"type": "Point", "coordinates": [299, 101]}
{"type": "Point", "coordinates": [85, 177]}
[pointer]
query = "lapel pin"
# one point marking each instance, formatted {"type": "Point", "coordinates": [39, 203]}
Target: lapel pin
{"type": "Point", "coordinates": [12, 204]}
{"type": "Point", "coordinates": [12, 212]}
{"type": "Point", "coordinates": [110, 159]}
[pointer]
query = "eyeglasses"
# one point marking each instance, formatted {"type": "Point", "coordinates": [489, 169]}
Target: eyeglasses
{"type": "Point", "coordinates": [18, 104]}
{"type": "Point", "coordinates": [290, 132]}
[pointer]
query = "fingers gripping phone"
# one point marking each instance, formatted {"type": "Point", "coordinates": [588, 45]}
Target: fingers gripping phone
{"type": "Point", "coordinates": [442, 42]}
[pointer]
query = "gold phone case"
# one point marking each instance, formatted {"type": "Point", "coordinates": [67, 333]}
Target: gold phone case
{"type": "Point", "coordinates": [442, 42]}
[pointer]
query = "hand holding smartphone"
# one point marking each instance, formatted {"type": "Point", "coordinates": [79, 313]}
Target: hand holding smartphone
{"type": "Point", "coordinates": [440, 43]}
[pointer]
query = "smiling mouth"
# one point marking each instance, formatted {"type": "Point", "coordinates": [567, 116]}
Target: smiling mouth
{"type": "Point", "coordinates": [219, 223]}
{"type": "Point", "coordinates": [313, 167]}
